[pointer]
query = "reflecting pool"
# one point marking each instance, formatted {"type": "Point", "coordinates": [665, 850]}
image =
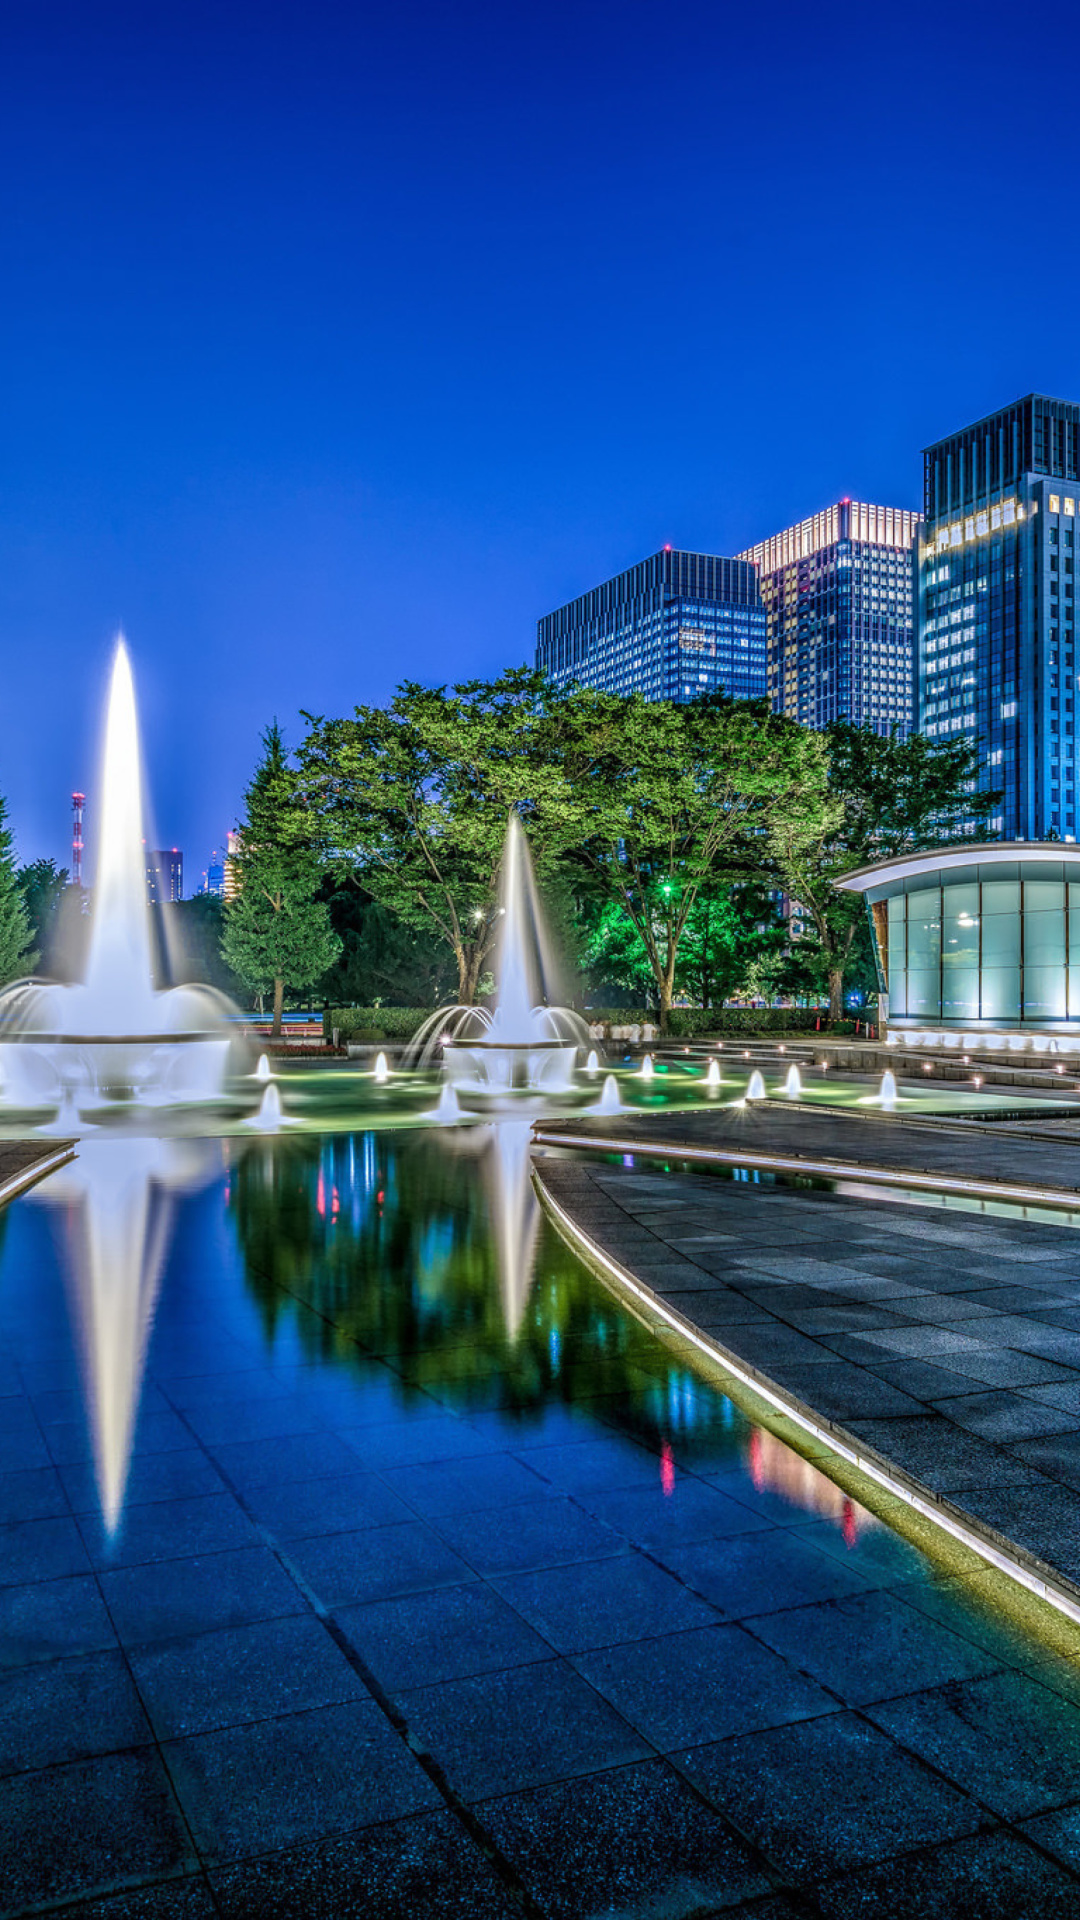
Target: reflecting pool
{"type": "Point", "coordinates": [355, 1536]}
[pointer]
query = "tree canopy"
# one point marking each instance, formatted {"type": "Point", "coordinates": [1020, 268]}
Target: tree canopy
{"type": "Point", "coordinates": [414, 799]}
{"type": "Point", "coordinates": [277, 931]}
{"type": "Point", "coordinates": [888, 796]}
{"type": "Point", "coordinates": [18, 955]}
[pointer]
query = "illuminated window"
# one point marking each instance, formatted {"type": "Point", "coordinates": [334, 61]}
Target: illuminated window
{"type": "Point", "coordinates": [1070, 504]}
{"type": "Point", "coordinates": [1055, 503]}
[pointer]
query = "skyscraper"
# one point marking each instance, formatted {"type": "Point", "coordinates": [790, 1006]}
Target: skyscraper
{"type": "Point", "coordinates": [164, 875]}
{"type": "Point", "coordinates": [839, 590]}
{"type": "Point", "coordinates": [997, 661]}
{"type": "Point", "coordinates": [676, 626]}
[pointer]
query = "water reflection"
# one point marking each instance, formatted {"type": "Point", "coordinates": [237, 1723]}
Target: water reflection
{"type": "Point", "coordinates": [118, 1201]}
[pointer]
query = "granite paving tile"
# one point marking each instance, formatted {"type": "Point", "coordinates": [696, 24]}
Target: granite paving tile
{"type": "Point", "coordinates": [167, 1530]}
{"type": "Point", "coordinates": [40, 1550]}
{"type": "Point", "coordinates": [449, 1633]}
{"type": "Point", "coordinates": [869, 1646]}
{"type": "Point", "coordinates": [1006, 1419]}
{"type": "Point", "coordinates": [60, 1710]}
{"type": "Point", "coordinates": [991, 1876]}
{"type": "Point", "coordinates": [761, 1572]}
{"type": "Point", "coordinates": [499, 1732]}
{"type": "Point", "coordinates": [597, 1603]}
{"type": "Point", "coordinates": [687, 1688]}
{"type": "Point", "coordinates": [546, 1533]}
{"type": "Point", "coordinates": [170, 1599]}
{"type": "Point", "coordinates": [423, 1867]}
{"type": "Point", "coordinates": [51, 1618]}
{"type": "Point", "coordinates": [332, 1503]}
{"type": "Point", "coordinates": [587, 1848]}
{"type": "Point", "coordinates": [280, 1783]}
{"type": "Point", "coordinates": [1012, 1743]}
{"type": "Point", "coordinates": [345, 1568]}
{"type": "Point", "coordinates": [694, 1510]}
{"type": "Point", "coordinates": [438, 1487]}
{"type": "Point", "coordinates": [828, 1795]}
{"type": "Point", "coordinates": [236, 1674]}
{"type": "Point", "coordinates": [33, 1493]}
{"type": "Point", "coordinates": [58, 1829]}
{"type": "Point", "coordinates": [186, 1899]}
{"type": "Point", "coordinates": [943, 1456]}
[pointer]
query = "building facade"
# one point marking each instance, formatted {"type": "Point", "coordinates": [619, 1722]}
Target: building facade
{"type": "Point", "coordinates": [839, 592]}
{"type": "Point", "coordinates": [674, 627]}
{"type": "Point", "coordinates": [978, 938]}
{"type": "Point", "coordinates": [997, 662]}
{"type": "Point", "coordinates": [164, 875]}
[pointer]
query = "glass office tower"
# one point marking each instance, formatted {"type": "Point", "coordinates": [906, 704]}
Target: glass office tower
{"type": "Point", "coordinates": [672, 628]}
{"type": "Point", "coordinates": [997, 660]}
{"type": "Point", "coordinates": [839, 590]}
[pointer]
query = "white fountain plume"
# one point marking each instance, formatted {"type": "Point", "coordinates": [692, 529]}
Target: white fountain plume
{"type": "Point", "coordinates": [712, 1076]}
{"type": "Point", "coordinates": [756, 1086]}
{"type": "Point", "coordinates": [382, 1071]}
{"type": "Point", "coordinates": [448, 1111]}
{"type": "Point", "coordinates": [647, 1067]}
{"type": "Point", "coordinates": [793, 1083]}
{"type": "Point", "coordinates": [888, 1094]}
{"type": "Point", "coordinates": [592, 1064]}
{"type": "Point", "coordinates": [112, 1038]}
{"type": "Point", "coordinates": [609, 1101]}
{"type": "Point", "coordinates": [270, 1116]}
{"type": "Point", "coordinates": [523, 1045]}
{"type": "Point", "coordinates": [119, 971]}
{"type": "Point", "coordinates": [262, 1071]}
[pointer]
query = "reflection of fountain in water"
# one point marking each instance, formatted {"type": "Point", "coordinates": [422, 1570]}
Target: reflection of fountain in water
{"type": "Point", "coordinates": [117, 1199]}
{"type": "Point", "coordinates": [515, 1217]}
{"type": "Point", "coordinates": [775, 1466]}
{"type": "Point", "coordinates": [755, 1087]}
{"type": "Point", "coordinates": [793, 1083]}
{"type": "Point", "coordinates": [113, 1038]}
{"type": "Point", "coordinates": [609, 1101]}
{"type": "Point", "coordinates": [522, 1045]}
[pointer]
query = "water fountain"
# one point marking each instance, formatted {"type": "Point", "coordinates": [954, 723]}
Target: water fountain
{"type": "Point", "coordinates": [609, 1101]}
{"type": "Point", "coordinates": [262, 1071]}
{"type": "Point", "coordinates": [647, 1068]}
{"type": "Point", "coordinates": [793, 1083]}
{"type": "Point", "coordinates": [592, 1064]}
{"type": "Point", "coordinates": [382, 1070]}
{"type": "Point", "coordinates": [756, 1086]}
{"type": "Point", "coordinates": [888, 1095]}
{"type": "Point", "coordinates": [522, 1046]}
{"type": "Point", "coordinates": [269, 1117]}
{"type": "Point", "coordinates": [712, 1076]}
{"type": "Point", "coordinates": [113, 1039]}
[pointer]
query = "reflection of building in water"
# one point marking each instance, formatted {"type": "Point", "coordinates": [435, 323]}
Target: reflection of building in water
{"type": "Point", "coordinates": [118, 1197]}
{"type": "Point", "coordinates": [775, 1466]}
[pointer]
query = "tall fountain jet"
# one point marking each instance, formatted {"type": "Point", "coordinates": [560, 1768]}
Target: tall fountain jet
{"type": "Point", "coordinates": [523, 1045]}
{"type": "Point", "coordinates": [113, 1038]}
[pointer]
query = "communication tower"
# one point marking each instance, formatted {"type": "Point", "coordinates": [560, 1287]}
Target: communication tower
{"type": "Point", "coordinates": [78, 802]}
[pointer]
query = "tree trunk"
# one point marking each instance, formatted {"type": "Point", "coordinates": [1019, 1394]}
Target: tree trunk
{"type": "Point", "coordinates": [470, 966]}
{"type": "Point", "coordinates": [836, 993]}
{"type": "Point", "coordinates": [667, 994]}
{"type": "Point", "coordinates": [279, 1002]}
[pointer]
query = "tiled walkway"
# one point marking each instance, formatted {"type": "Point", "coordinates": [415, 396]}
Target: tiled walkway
{"type": "Point", "coordinates": [945, 1343]}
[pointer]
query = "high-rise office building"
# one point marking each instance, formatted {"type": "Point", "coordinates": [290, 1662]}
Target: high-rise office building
{"type": "Point", "coordinates": [164, 875]}
{"type": "Point", "coordinates": [213, 880]}
{"type": "Point", "coordinates": [672, 628]}
{"type": "Point", "coordinates": [997, 652]}
{"type": "Point", "coordinates": [839, 590]}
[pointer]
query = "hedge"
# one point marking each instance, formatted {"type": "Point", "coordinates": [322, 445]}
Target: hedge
{"type": "Point", "coordinates": [389, 1023]}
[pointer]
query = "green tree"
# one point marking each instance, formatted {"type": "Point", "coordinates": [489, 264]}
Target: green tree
{"type": "Point", "coordinates": [193, 932]}
{"type": "Point", "coordinates": [43, 885]}
{"type": "Point", "coordinates": [277, 931]}
{"type": "Point", "coordinates": [383, 959]}
{"type": "Point", "coordinates": [17, 952]}
{"type": "Point", "coordinates": [672, 801]}
{"type": "Point", "coordinates": [889, 796]}
{"type": "Point", "coordinates": [414, 800]}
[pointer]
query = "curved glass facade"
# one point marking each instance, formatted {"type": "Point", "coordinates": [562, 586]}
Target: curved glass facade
{"type": "Point", "coordinates": [995, 943]}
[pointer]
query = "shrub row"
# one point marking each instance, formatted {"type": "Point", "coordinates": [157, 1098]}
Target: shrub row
{"type": "Point", "coordinates": [374, 1023]}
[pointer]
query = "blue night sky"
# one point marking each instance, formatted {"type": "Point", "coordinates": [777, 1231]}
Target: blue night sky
{"type": "Point", "coordinates": [337, 343]}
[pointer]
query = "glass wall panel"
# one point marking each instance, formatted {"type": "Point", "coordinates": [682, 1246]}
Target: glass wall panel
{"type": "Point", "coordinates": [1044, 992]}
{"type": "Point", "coordinates": [924, 992]}
{"type": "Point", "coordinates": [1000, 896]}
{"type": "Point", "coordinates": [1001, 939]}
{"type": "Point", "coordinates": [1074, 992]}
{"type": "Point", "coordinates": [1074, 934]}
{"type": "Point", "coordinates": [1074, 894]}
{"type": "Point", "coordinates": [1001, 993]}
{"type": "Point", "coordinates": [1044, 940]}
{"type": "Point", "coordinates": [924, 929]}
{"type": "Point", "coordinates": [1042, 895]}
{"type": "Point", "coordinates": [960, 993]}
{"type": "Point", "coordinates": [960, 926]}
